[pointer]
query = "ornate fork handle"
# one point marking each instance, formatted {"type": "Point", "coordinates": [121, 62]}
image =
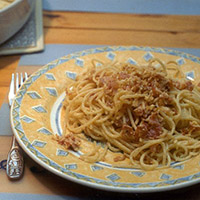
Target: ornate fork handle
{"type": "Point", "coordinates": [15, 161]}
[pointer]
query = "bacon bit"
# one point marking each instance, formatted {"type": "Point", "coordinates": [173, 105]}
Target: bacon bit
{"type": "Point", "coordinates": [118, 123]}
{"type": "Point", "coordinates": [153, 119]}
{"type": "Point", "coordinates": [110, 83]}
{"type": "Point", "coordinates": [128, 132]}
{"type": "Point", "coordinates": [150, 128]}
{"type": "Point", "coordinates": [189, 86]}
{"type": "Point", "coordinates": [141, 131]}
{"type": "Point", "coordinates": [126, 87]}
{"type": "Point", "coordinates": [123, 75]}
{"type": "Point", "coordinates": [139, 111]}
{"type": "Point", "coordinates": [185, 85]}
{"type": "Point", "coordinates": [185, 131]}
{"type": "Point", "coordinates": [69, 141]}
{"type": "Point", "coordinates": [119, 158]}
{"type": "Point", "coordinates": [156, 92]}
{"type": "Point", "coordinates": [164, 99]}
{"type": "Point", "coordinates": [192, 127]}
{"type": "Point", "coordinates": [165, 96]}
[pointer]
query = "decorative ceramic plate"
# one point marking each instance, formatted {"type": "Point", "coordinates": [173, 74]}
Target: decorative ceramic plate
{"type": "Point", "coordinates": [36, 119]}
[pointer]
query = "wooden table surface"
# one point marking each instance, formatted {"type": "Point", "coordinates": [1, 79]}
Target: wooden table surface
{"type": "Point", "coordinates": [109, 29]}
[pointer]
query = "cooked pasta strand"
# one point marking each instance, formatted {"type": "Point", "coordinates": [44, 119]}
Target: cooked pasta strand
{"type": "Point", "coordinates": [143, 112]}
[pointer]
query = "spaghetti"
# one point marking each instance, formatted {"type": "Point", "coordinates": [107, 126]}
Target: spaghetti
{"type": "Point", "coordinates": [150, 114]}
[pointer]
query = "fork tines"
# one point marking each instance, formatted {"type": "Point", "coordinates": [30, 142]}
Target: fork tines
{"type": "Point", "coordinates": [15, 84]}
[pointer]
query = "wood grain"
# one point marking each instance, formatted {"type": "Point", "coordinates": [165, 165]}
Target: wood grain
{"type": "Point", "coordinates": [110, 29]}
{"type": "Point", "coordinates": [122, 29]}
{"type": "Point", "coordinates": [82, 20]}
{"type": "Point", "coordinates": [123, 37]}
{"type": "Point", "coordinates": [8, 65]}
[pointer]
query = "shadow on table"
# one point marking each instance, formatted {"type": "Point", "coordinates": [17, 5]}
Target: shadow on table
{"type": "Point", "coordinates": [60, 186]}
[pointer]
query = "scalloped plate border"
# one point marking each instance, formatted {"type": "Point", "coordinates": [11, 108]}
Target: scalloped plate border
{"type": "Point", "coordinates": [35, 154]}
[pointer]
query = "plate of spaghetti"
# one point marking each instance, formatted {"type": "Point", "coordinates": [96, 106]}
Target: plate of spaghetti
{"type": "Point", "coordinates": [118, 118]}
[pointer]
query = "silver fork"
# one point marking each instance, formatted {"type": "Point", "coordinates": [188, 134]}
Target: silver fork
{"type": "Point", "coordinates": [15, 161]}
